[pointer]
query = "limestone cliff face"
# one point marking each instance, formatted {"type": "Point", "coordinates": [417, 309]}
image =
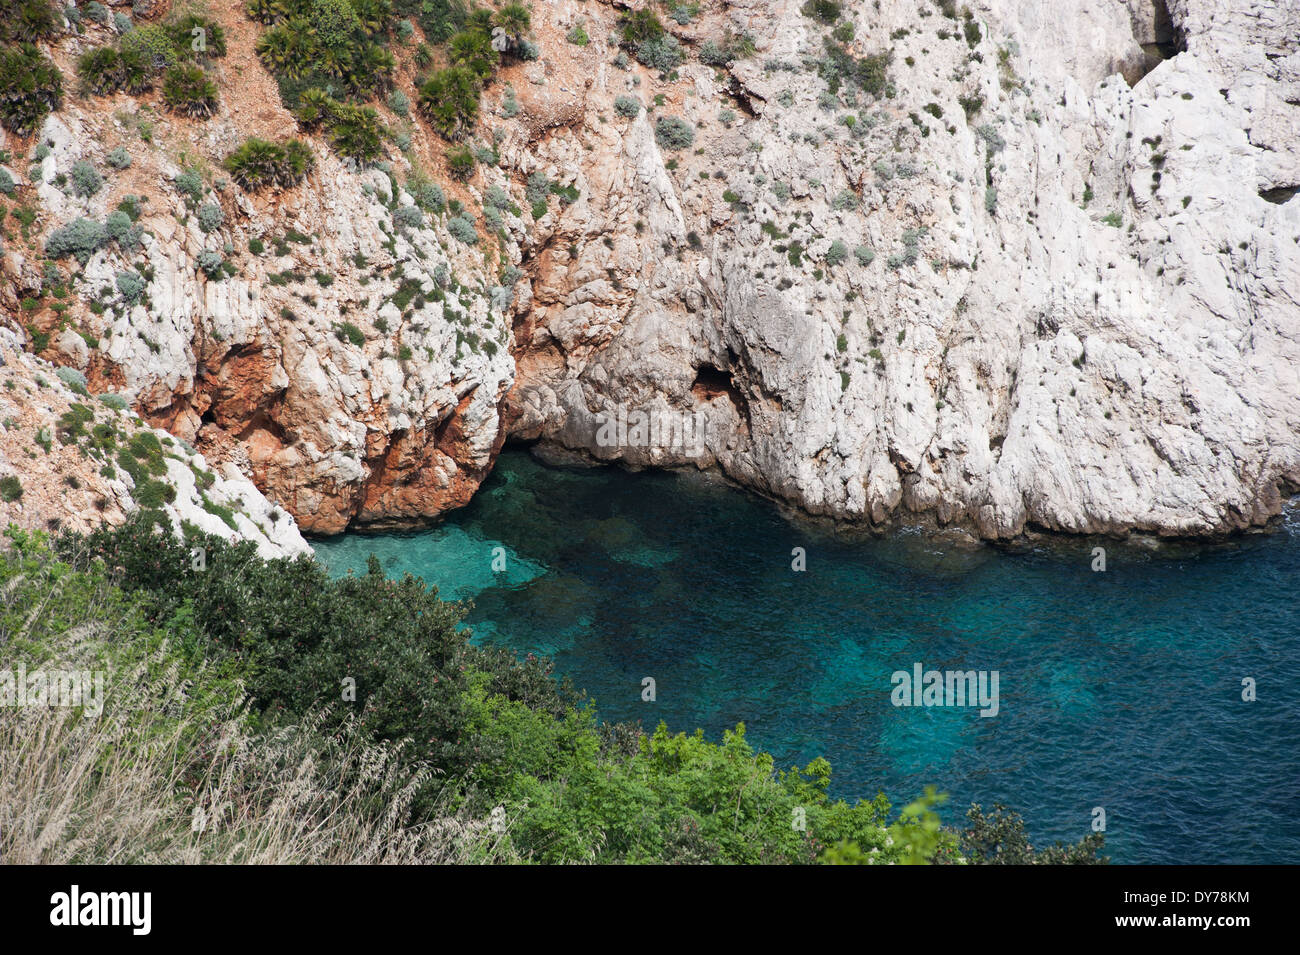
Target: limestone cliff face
{"type": "Point", "coordinates": [1048, 277]}
{"type": "Point", "coordinates": [1081, 307]}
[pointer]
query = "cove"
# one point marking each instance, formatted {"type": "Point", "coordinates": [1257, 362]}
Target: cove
{"type": "Point", "coordinates": [1119, 689]}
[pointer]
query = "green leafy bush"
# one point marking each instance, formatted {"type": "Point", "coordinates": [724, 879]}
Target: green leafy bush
{"type": "Point", "coordinates": [28, 21]}
{"type": "Point", "coordinates": [118, 158]}
{"type": "Point", "coordinates": [461, 162]}
{"type": "Point", "coordinates": [628, 106]}
{"type": "Point", "coordinates": [80, 238]}
{"type": "Point", "coordinates": [663, 54]}
{"type": "Point", "coordinates": [31, 86]}
{"type": "Point", "coordinates": [355, 132]}
{"type": "Point", "coordinates": [640, 26]}
{"type": "Point", "coordinates": [130, 285]}
{"type": "Point", "coordinates": [187, 90]}
{"type": "Point", "coordinates": [257, 163]}
{"type": "Point", "coordinates": [86, 180]}
{"type": "Point", "coordinates": [199, 34]}
{"type": "Point", "coordinates": [462, 229]}
{"type": "Point", "coordinates": [449, 99]}
{"type": "Point", "coordinates": [673, 132]}
{"type": "Point", "coordinates": [210, 217]}
{"type": "Point", "coordinates": [11, 488]}
{"type": "Point", "coordinates": [823, 11]}
{"type": "Point", "coordinates": [408, 217]}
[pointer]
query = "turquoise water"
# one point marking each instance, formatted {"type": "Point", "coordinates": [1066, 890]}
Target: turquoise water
{"type": "Point", "coordinates": [1120, 690]}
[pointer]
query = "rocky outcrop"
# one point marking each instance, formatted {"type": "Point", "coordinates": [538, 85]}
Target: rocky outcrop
{"type": "Point", "coordinates": [71, 462]}
{"type": "Point", "coordinates": [1044, 276]}
{"type": "Point", "coordinates": [1079, 311]}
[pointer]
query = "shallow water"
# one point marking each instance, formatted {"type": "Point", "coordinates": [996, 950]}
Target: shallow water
{"type": "Point", "coordinates": [1120, 690]}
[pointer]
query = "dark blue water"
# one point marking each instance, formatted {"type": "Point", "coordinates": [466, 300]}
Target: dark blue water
{"type": "Point", "coordinates": [1120, 690]}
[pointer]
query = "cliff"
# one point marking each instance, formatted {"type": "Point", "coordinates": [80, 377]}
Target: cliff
{"type": "Point", "coordinates": [997, 264]}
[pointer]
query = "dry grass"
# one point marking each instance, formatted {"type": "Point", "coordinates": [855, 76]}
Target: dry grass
{"type": "Point", "coordinates": [171, 771]}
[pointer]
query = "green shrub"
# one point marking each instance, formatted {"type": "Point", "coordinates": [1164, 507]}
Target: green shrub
{"type": "Point", "coordinates": [865, 255]}
{"type": "Point", "coordinates": [210, 40]}
{"type": "Point", "coordinates": [848, 199]}
{"type": "Point", "coordinates": [408, 217]}
{"type": "Point", "coordinates": [823, 11]}
{"type": "Point", "coordinates": [155, 47]}
{"type": "Point", "coordinates": [663, 54]}
{"type": "Point", "coordinates": [31, 86]}
{"type": "Point", "coordinates": [460, 162]}
{"type": "Point", "coordinates": [257, 163]}
{"type": "Point", "coordinates": [210, 217]}
{"type": "Point", "coordinates": [11, 488]}
{"type": "Point", "coordinates": [190, 184]}
{"type": "Point", "coordinates": [462, 229]}
{"type": "Point", "coordinates": [673, 132]}
{"type": "Point", "coordinates": [628, 106]}
{"type": "Point", "coordinates": [210, 263]}
{"type": "Point", "coordinates": [7, 184]}
{"type": "Point", "coordinates": [188, 91]}
{"type": "Point", "coordinates": [119, 158]}
{"type": "Point", "coordinates": [837, 253]}
{"type": "Point", "coordinates": [131, 286]}
{"type": "Point", "coordinates": [578, 35]}
{"type": "Point", "coordinates": [81, 238]}
{"type": "Point", "coordinates": [449, 98]}
{"type": "Point", "coordinates": [27, 21]}
{"type": "Point", "coordinates": [86, 180]}
{"type": "Point", "coordinates": [346, 331]}
{"type": "Point", "coordinates": [640, 26]}
{"type": "Point", "coordinates": [473, 50]}
{"type": "Point", "coordinates": [356, 133]}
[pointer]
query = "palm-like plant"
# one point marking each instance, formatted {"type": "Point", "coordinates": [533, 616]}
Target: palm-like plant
{"type": "Point", "coordinates": [188, 91]}
{"type": "Point", "coordinates": [287, 49]}
{"type": "Point", "coordinates": [515, 20]}
{"type": "Point", "coordinates": [314, 107]}
{"type": "Point", "coordinates": [33, 20]}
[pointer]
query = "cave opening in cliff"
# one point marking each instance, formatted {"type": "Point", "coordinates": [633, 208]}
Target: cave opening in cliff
{"type": "Point", "coordinates": [1164, 41]}
{"type": "Point", "coordinates": [1279, 195]}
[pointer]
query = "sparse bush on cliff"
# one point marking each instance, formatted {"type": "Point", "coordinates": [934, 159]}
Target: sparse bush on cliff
{"type": "Point", "coordinates": [119, 158]}
{"type": "Point", "coordinates": [130, 285]}
{"type": "Point", "coordinates": [673, 132]}
{"type": "Point", "coordinates": [462, 228]}
{"type": "Point", "coordinates": [461, 162]}
{"type": "Point", "coordinates": [640, 26]}
{"type": "Point", "coordinates": [11, 488]}
{"type": "Point", "coordinates": [257, 163]}
{"type": "Point", "coordinates": [31, 86]}
{"type": "Point", "coordinates": [628, 106]}
{"type": "Point", "coordinates": [823, 11]}
{"type": "Point", "coordinates": [188, 91]}
{"type": "Point", "coordinates": [210, 263]}
{"type": "Point", "coordinates": [86, 180]}
{"type": "Point", "coordinates": [80, 238]}
{"type": "Point", "coordinates": [355, 132]}
{"type": "Point", "coordinates": [663, 54]}
{"type": "Point", "coordinates": [408, 217]}
{"type": "Point", "coordinates": [210, 217]}
{"type": "Point", "coordinates": [449, 99]}
{"type": "Point", "coordinates": [209, 40]}
{"type": "Point", "coordinates": [28, 21]}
